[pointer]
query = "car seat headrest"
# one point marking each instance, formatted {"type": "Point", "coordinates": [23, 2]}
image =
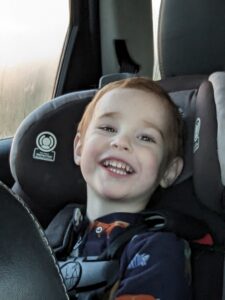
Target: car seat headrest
{"type": "Point", "coordinates": [41, 157]}
{"type": "Point", "coordinates": [105, 79]}
{"type": "Point", "coordinates": [191, 47]}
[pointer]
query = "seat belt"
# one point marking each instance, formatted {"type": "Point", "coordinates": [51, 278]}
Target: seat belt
{"type": "Point", "coordinates": [126, 63]}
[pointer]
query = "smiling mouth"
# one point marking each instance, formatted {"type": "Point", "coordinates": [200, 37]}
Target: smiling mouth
{"type": "Point", "coordinates": [118, 167]}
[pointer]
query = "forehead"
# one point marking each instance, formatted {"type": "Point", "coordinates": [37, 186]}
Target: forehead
{"type": "Point", "coordinates": [138, 103]}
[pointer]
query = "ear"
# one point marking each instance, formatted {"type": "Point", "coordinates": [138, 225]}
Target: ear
{"type": "Point", "coordinates": [172, 172]}
{"type": "Point", "coordinates": [77, 149]}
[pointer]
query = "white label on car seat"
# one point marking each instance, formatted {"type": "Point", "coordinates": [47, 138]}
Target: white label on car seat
{"type": "Point", "coordinates": [196, 135]}
{"type": "Point", "coordinates": [46, 142]}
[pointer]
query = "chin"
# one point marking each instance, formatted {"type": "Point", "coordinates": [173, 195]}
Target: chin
{"type": "Point", "coordinates": [112, 197]}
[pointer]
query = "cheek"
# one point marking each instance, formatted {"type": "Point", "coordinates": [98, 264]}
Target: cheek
{"type": "Point", "coordinates": [152, 164]}
{"type": "Point", "coordinates": [87, 167]}
{"type": "Point", "coordinates": [89, 156]}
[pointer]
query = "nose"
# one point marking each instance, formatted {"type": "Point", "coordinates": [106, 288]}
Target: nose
{"type": "Point", "coordinates": [121, 143]}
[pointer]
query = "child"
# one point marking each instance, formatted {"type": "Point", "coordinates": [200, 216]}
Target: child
{"type": "Point", "coordinates": [127, 144]}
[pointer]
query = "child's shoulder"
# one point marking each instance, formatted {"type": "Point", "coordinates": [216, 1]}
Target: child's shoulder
{"type": "Point", "coordinates": [157, 242]}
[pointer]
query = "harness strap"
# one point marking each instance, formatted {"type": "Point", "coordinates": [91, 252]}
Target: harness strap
{"type": "Point", "coordinates": [116, 247]}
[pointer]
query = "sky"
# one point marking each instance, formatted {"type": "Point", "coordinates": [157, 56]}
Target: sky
{"type": "Point", "coordinates": [31, 28]}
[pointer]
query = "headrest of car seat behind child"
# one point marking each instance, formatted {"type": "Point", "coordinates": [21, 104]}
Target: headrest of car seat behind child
{"type": "Point", "coordinates": [196, 47]}
{"type": "Point", "coordinates": [27, 267]}
{"type": "Point", "coordinates": [41, 158]}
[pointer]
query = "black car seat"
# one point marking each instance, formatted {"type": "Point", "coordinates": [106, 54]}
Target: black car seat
{"type": "Point", "coordinates": [27, 266]}
{"type": "Point", "coordinates": [47, 178]}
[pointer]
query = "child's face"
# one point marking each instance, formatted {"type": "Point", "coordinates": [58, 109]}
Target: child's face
{"type": "Point", "coordinates": [123, 153]}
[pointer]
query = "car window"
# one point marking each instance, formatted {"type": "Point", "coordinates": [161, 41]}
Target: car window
{"type": "Point", "coordinates": [32, 35]}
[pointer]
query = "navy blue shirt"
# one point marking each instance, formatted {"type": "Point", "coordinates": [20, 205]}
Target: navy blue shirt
{"type": "Point", "coordinates": [153, 265]}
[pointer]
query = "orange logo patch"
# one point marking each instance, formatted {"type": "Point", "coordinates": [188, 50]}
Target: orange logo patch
{"type": "Point", "coordinates": [108, 228]}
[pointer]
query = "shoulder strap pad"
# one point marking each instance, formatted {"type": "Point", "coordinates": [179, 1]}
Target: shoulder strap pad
{"type": "Point", "coordinates": [184, 226]}
{"type": "Point", "coordinates": [58, 231]}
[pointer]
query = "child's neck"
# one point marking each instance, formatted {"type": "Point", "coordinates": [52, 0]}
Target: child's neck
{"type": "Point", "coordinates": [98, 206]}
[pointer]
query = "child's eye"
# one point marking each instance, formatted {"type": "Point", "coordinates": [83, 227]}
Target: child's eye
{"type": "Point", "coordinates": [107, 128]}
{"type": "Point", "coordinates": [147, 138]}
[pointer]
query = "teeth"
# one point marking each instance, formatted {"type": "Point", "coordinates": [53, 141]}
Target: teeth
{"type": "Point", "coordinates": [120, 172]}
{"type": "Point", "coordinates": [106, 163]}
{"type": "Point", "coordinates": [114, 164]}
{"type": "Point", "coordinates": [128, 169]}
{"type": "Point", "coordinates": [118, 167]}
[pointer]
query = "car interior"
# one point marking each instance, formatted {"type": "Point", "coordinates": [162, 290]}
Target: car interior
{"type": "Point", "coordinates": [38, 174]}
